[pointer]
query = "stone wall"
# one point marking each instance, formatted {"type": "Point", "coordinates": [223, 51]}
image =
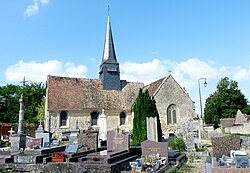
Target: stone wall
{"type": "Point", "coordinates": [83, 117]}
{"type": "Point", "coordinates": [240, 129]}
{"type": "Point", "coordinates": [171, 93]}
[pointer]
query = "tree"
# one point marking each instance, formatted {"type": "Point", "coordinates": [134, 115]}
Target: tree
{"type": "Point", "coordinates": [9, 102]}
{"type": "Point", "coordinates": [145, 106]}
{"type": "Point", "coordinates": [224, 102]}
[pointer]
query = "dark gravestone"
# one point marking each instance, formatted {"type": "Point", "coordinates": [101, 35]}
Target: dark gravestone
{"type": "Point", "coordinates": [117, 141]}
{"type": "Point", "coordinates": [150, 148]}
{"type": "Point", "coordinates": [88, 138]}
{"type": "Point", "coordinates": [33, 143]}
{"type": "Point", "coordinates": [223, 144]}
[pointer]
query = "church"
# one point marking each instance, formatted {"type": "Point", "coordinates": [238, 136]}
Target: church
{"type": "Point", "coordinates": [78, 102]}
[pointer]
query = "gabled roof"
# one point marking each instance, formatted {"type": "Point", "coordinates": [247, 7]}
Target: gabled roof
{"type": "Point", "coordinates": [240, 118]}
{"type": "Point", "coordinates": [227, 122]}
{"type": "Point", "coordinates": [155, 86]}
{"type": "Point", "coordinates": [109, 50]}
{"type": "Point", "coordinates": [65, 93]}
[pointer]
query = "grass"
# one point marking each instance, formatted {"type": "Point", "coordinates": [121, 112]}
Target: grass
{"type": "Point", "coordinates": [183, 169]}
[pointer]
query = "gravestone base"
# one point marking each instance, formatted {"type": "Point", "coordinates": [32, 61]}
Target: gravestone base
{"type": "Point", "coordinates": [18, 141]}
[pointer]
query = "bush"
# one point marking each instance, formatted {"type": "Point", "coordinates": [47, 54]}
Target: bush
{"type": "Point", "coordinates": [177, 143]}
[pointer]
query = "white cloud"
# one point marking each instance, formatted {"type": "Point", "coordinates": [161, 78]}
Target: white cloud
{"type": "Point", "coordinates": [145, 72]}
{"type": "Point", "coordinates": [33, 8]}
{"type": "Point", "coordinates": [44, 2]}
{"type": "Point", "coordinates": [186, 72]}
{"type": "Point", "coordinates": [37, 72]}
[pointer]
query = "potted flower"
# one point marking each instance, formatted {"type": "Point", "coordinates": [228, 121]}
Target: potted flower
{"type": "Point", "coordinates": [95, 158]}
{"type": "Point", "coordinates": [58, 156]}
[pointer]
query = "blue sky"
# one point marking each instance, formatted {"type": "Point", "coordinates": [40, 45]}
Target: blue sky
{"type": "Point", "coordinates": [191, 38]}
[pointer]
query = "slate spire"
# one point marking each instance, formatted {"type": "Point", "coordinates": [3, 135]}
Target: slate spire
{"type": "Point", "coordinates": [109, 72]}
{"type": "Point", "coordinates": [109, 50]}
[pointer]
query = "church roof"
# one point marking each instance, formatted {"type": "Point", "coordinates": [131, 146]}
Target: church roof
{"type": "Point", "coordinates": [109, 50]}
{"type": "Point", "coordinates": [155, 86]}
{"type": "Point", "coordinates": [65, 93]}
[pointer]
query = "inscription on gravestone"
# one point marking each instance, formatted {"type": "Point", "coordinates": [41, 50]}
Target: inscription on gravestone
{"type": "Point", "coordinates": [117, 141]}
{"type": "Point", "coordinates": [150, 148]}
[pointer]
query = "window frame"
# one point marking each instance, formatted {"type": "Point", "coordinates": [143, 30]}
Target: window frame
{"type": "Point", "coordinates": [172, 114]}
{"type": "Point", "coordinates": [121, 123]}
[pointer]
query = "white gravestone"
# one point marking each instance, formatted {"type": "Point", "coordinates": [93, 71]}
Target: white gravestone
{"type": "Point", "coordinates": [152, 133]}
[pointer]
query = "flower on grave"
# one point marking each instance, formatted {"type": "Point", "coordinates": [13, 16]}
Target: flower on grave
{"type": "Point", "coordinates": [95, 158]}
{"type": "Point", "coordinates": [59, 154]}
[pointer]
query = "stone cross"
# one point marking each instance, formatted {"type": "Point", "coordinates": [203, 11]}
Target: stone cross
{"type": "Point", "coordinates": [21, 111]}
{"type": "Point", "coordinates": [11, 131]}
{"type": "Point", "coordinates": [40, 122]}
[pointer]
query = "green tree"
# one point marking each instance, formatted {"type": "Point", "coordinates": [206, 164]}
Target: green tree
{"type": "Point", "coordinates": [224, 102]}
{"type": "Point", "coordinates": [145, 106]}
{"type": "Point", "coordinates": [41, 110]}
{"type": "Point", "coordinates": [9, 98]}
{"type": "Point", "coordinates": [9, 102]}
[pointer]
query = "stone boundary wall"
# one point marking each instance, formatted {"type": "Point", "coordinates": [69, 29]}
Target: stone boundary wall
{"type": "Point", "coordinates": [241, 129]}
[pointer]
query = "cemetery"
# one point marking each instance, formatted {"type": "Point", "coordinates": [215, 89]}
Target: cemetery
{"type": "Point", "coordinates": [81, 151]}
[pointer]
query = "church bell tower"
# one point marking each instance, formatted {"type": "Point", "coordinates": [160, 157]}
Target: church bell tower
{"type": "Point", "coordinates": [109, 72]}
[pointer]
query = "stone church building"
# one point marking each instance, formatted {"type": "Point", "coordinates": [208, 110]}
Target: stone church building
{"type": "Point", "coordinates": [77, 102]}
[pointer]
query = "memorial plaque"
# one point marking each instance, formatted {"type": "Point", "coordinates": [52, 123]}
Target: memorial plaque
{"type": "Point", "coordinates": [33, 143]}
{"type": "Point", "coordinates": [117, 141]}
{"type": "Point", "coordinates": [150, 148]}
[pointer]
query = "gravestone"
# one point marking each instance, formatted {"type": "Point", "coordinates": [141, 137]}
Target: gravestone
{"type": "Point", "coordinates": [71, 149]}
{"type": "Point", "coordinates": [223, 144]}
{"type": "Point", "coordinates": [89, 138]}
{"type": "Point", "coordinates": [40, 133]}
{"type": "Point", "coordinates": [152, 148]}
{"type": "Point", "coordinates": [152, 133]}
{"type": "Point", "coordinates": [33, 143]}
{"type": "Point", "coordinates": [102, 123]}
{"type": "Point", "coordinates": [188, 135]}
{"type": "Point", "coordinates": [18, 141]}
{"type": "Point", "coordinates": [117, 141]}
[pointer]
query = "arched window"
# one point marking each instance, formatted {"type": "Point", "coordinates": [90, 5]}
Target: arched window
{"type": "Point", "coordinates": [122, 118]}
{"type": "Point", "coordinates": [171, 114]}
{"type": "Point", "coordinates": [63, 118]}
{"type": "Point", "coordinates": [94, 118]}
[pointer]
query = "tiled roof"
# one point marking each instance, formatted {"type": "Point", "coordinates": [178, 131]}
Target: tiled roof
{"type": "Point", "coordinates": [65, 93]}
{"type": "Point", "coordinates": [153, 87]}
{"type": "Point", "coordinates": [227, 122]}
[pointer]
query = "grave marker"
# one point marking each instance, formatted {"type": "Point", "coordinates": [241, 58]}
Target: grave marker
{"type": "Point", "coordinates": [152, 133]}
{"type": "Point", "coordinates": [117, 141]}
{"type": "Point", "coordinates": [150, 148]}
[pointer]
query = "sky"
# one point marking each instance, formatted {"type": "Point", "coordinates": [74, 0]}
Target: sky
{"type": "Point", "coordinates": [191, 39]}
